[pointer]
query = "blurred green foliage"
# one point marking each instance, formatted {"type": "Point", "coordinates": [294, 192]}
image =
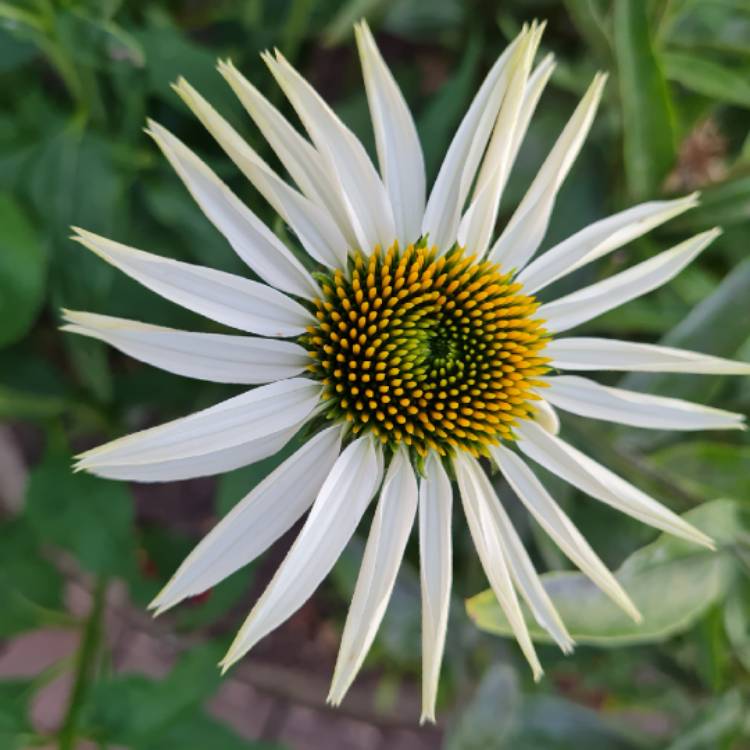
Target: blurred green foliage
{"type": "Point", "coordinates": [78, 78]}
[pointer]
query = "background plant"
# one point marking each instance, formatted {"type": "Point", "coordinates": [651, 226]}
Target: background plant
{"type": "Point", "coordinates": [77, 79]}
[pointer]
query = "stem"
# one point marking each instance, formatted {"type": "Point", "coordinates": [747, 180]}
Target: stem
{"type": "Point", "coordinates": [85, 666]}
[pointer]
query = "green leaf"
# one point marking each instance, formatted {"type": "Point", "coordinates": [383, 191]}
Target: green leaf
{"type": "Point", "coordinates": [75, 178]}
{"type": "Point", "coordinates": [548, 722]}
{"type": "Point", "coordinates": [650, 315]}
{"type": "Point", "coordinates": [23, 268]}
{"type": "Point", "coordinates": [737, 622]}
{"type": "Point", "coordinates": [492, 714]}
{"type": "Point", "coordinates": [647, 117]}
{"type": "Point", "coordinates": [588, 21]}
{"type": "Point", "coordinates": [417, 20]}
{"type": "Point", "coordinates": [196, 236]}
{"type": "Point", "coordinates": [135, 707]}
{"type": "Point", "coordinates": [501, 717]}
{"type": "Point", "coordinates": [724, 204]}
{"type": "Point", "coordinates": [169, 54]}
{"type": "Point", "coordinates": [97, 43]}
{"type": "Point", "coordinates": [90, 517]}
{"type": "Point", "coordinates": [15, 727]}
{"type": "Point", "coordinates": [719, 722]}
{"type": "Point", "coordinates": [31, 589]}
{"type": "Point", "coordinates": [662, 579]}
{"type": "Point", "coordinates": [296, 28]}
{"type": "Point", "coordinates": [707, 27]}
{"type": "Point", "coordinates": [198, 732]}
{"type": "Point", "coordinates": [145, 714]}
{"type": "Point", "coordinates": [14, 51]}
{"type": "Point", "coordinates": [30, 388]}
{"type": "Point", "coordinates": [89, 360]}
{"type": "Point", "coordinates": [713, 469]}
{"type": "Point", "coordinates": [18, 405]}
{"type": "Point", "coordinates": [708, 78]}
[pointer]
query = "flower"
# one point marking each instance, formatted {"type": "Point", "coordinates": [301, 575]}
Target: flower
{"type": "Point", "coordinates": [407, 346]}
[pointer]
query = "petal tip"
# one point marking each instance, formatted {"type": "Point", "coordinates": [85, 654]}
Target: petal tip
{"type": "Point", "coordinates": [229, 660]}
{"type": "Point", "coordinates": [337, 691]}
{"type": "Point", "coordinates": [427, 717]}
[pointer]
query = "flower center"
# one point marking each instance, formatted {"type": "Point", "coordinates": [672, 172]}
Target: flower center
{"type": "Point", "coordinates": [440, 352]}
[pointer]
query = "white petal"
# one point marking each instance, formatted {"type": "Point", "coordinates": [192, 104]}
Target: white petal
{"type": "Point", "coordinates": [478, 222]}
{"type": "Point", "coordinates": [338, 508]}
{"type": "Point", "coordinates": [223, 297]}
{"type": "Point", "coordinates": [591, 301]}
{"type": "Point", "coordinates": [589, 399]}
{"type": "Point", "coordinates": [600, 238]}
{"type": "Point", "coordinates": [477, 497]}
{"type": "Point", "coordinates": [582, 353]}
{"type": "Point", "coordinates": [583, 472]}
{"type": "Point", "coordinates": [316, 229]}
{"type": "Point", "coordinates": [391, 526]}
{"type": "Point", "coordinates": [215, 357]}
{"type": "Point", "coordinates": [528, 225]}
{"type": "Point", "coordinates": [233, 433]}
{"type": "Point", "coordinates": [460, 164]}
{"type": "Point", "coordinates": [256, 522]}
{"type": "Point", "coordinates": [250, 238]}
{"type": "Point", "coordinates": [556, 523]}
{"type": "Point", "coordinates": [532, 93]}
{"type": "Point", "coordinates": [546, 416]}
{"type": "Point", "coordinates": [523, 572]}
{"type": "Point", "coordinates": [361, 189]}
{"type": "Point", "coordinates": [296, 153]}
{"type": "Point", "coordinates": [208, 463]}
{"type": "Point", "coordinates": [399, 150]}
{"type": "Point", "coordinates": [435, 566]}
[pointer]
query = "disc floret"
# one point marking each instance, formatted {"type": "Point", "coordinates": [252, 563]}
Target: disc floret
{"type": "Point", "coordinates": [439, 352]}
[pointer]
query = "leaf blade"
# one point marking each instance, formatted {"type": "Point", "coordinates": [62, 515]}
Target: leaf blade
{"type": "Point", "coordinates": [668, 564]}
{"type": "Point", "coordinates": [648, 119]}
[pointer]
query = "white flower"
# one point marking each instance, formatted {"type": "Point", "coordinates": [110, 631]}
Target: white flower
{"type": "Point", "coordinates": [416, 347]}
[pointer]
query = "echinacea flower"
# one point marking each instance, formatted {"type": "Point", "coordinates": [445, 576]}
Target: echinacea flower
{"type": "Point", "coordinates": [407, 343]}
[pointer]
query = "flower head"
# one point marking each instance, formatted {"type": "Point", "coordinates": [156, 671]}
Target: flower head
{"type": "Point", "coordinates": [408, 345]}
{"type": "Point", "coordinates": [438, 353]}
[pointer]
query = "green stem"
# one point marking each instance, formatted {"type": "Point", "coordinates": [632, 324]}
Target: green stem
{"type": "Point", "coordinates": [85, 666]}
